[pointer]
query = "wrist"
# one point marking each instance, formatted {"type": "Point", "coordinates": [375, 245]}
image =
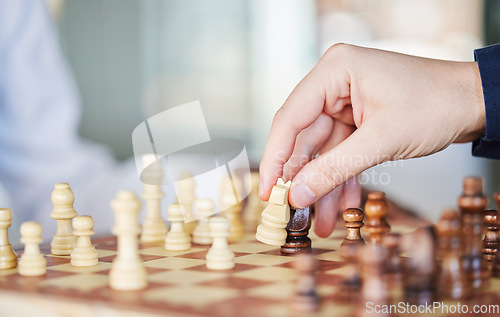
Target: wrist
{"type": "Point", "coordinates": [475, 99]}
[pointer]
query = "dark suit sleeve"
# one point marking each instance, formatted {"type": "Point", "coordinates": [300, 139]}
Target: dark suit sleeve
{"type": "Point", "coordinates": [488, 60]}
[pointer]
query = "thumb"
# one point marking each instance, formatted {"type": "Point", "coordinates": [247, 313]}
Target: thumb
{"type": "Point", "coordinates": [360, 151]}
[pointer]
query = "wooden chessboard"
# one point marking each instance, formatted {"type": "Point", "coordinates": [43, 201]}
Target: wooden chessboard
{"type": "Point", "coordinates": [261, 284]}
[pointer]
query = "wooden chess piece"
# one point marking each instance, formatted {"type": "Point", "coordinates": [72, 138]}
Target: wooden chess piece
{"type": "Point", "coordinates": [353, 221]}
{"type": "Point", "coordinates": [297, 230]}
{"type": "Point", "coordinates": [472, 203]}
{"type": "Point", "coordinates": [350, 283]}
{"type": "Point", "coordinates": [376, 212]}
{"type": "Point", "coordinates": [452, 281]}
{"type": "Point", "coordinates": [127, 271]}
{"type": "Point", "coordinates": [374, 287]}
{"type": "Point", "coordinates": [8, 258]}
{"type": "Point", "coordinates": [32, 262]}
{"type": "Point", "coordinates": [495, 268]}
{"type": "Point", "coordinates": [154, 228]}
{"type": "Point", "coordinates": [64, 240]}
{"type": "Point", "coordinates": [306, 298]}
{"type": "Point", "coordinates": [204, 210]}
{"type": "Point", "coordinates": [219, 257]}
{"type": "Point", "coordinates": [393, 267]}
{"type": "Point", "coordinates": [177, 238]}
{"type": "Point", "coordinates": [491, 241]}
{"type": "Point", "coordinates": [420, 268]}
{"type": "Point", "coordinates": [276, 216]}
{"type": "Point", "coordinates": [84, 253]}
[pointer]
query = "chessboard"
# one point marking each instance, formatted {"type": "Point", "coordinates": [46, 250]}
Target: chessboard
{"type": "Point", "coordinates": [261, 284]}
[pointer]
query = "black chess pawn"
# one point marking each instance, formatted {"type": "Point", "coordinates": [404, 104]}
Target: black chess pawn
{"type": "Point", "coordinates": [420, 268]}
{"type": "Point", "coordinates": [491, 240]}
{"type": "Point", "coordinates": [353, 221]}
{"type": "Point", "coordinates": [297, 230]}
{"type": "Point", "coordinates": [472, 203]}
{"type": "Point", "coordinates": [376, 212]}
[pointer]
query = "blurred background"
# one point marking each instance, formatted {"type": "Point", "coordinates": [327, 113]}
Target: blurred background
{"type": "Point", "coordinates": [241, 59]}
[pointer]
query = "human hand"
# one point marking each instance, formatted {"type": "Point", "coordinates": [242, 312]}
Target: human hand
{"type": "Point", "coordinates": [360, 107]}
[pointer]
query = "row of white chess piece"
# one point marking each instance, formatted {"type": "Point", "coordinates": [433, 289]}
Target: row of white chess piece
{"type": "Point", "coordinates": [74, 232]}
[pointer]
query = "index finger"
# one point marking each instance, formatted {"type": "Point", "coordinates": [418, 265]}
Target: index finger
{"type": "Point", "coordinates": [300, 110]}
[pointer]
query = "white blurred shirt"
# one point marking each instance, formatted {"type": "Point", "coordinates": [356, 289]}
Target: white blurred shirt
{"type": "Point", "coordinates": [39, 118]}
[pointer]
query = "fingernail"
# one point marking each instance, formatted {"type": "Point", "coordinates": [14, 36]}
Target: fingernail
{"type": "Point", "coordinates": [261, 189]}
{"type": "Point", "coordinates": [302, 196]}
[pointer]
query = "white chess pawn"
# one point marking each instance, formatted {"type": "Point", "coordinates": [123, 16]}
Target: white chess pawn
{"type": "Point", "coordinates": [84, 253]}
{"type": "Point", "coordinates": [154, 227]}
{"type": "Point", "coordinates": [127, 272]}
{"type": "Point", "coordinates": [219, 257]}
{"type": "Point", "coordinates": [8, 258]}
{"type": "Point", "coordinates": [64, 239]}
{"type": "Point", "coordinates": [32, 262]}
{"type": "Point", "coordinates": [177, 239]}
{"type": "Point", "coordinates": [201, 233]}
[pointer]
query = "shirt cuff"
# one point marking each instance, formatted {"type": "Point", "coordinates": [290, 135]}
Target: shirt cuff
{"type": "Point", "coordinates": [488, 59]}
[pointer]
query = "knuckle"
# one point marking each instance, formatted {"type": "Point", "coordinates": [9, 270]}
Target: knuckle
{"type": "Point", "coordinates": [279, 115]}
{"type": "Point", "coordinates": [330, 175]}
{"type": "Point", "coordinates": [339, 50]}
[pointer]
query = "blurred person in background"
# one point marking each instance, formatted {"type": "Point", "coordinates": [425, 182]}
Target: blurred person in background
{"type": "Point", "coordinates": [39, 121]}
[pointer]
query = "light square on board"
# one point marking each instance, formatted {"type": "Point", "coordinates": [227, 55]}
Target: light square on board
{"type": "Point", "coordinates": [101, 266]}
{"type": "Point", "coordinates": [263, 259]}
{"type": "Point", "coordinates": [174, 263]}
{"type": "Point", "coordinates": [269, 273]}
{"type": "Point", "coordinates": [161, 251]}
{"type": "Point", "coordinates": [251, 247]}
{"type": "Point", "coordinates": [191, 295]}
{"type": "Point", "coordinates": [81, 282]}
{"type": "Point", "coordinates": [185, 277]}
{"type": "Point", "coordinates": [330, 256]}
{"type": "Point", "coordinates": [280, 291]}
